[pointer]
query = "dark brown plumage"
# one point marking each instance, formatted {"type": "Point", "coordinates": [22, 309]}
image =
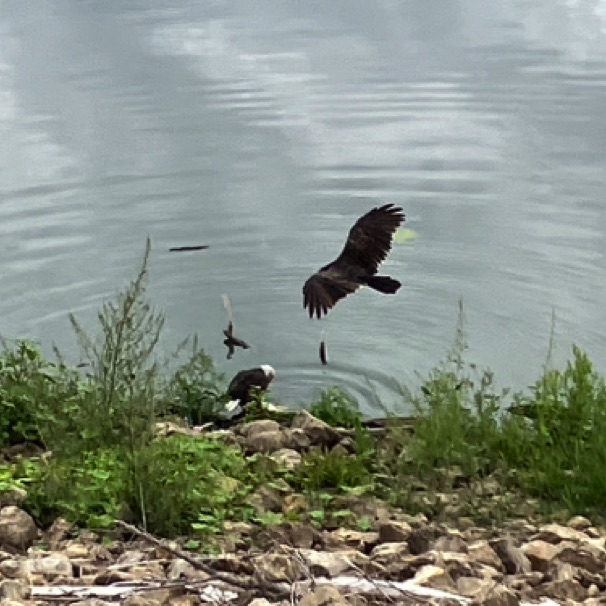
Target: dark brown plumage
{"type": "Point", "coordinates": [368, 244]}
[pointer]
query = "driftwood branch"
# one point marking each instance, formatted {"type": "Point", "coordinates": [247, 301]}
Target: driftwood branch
{"type": "Point", "coordinates": [188, 248]}
{"type": "Point", "coordinates": [258, 588]}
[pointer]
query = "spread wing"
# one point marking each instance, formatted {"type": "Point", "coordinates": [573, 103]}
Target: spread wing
{"type": "Point", "coordinates": [369, 240]}
{"type": "Point", "coordinates": [322, 291]}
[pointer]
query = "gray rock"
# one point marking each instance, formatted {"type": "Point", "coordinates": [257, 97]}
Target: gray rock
{"type": "Point", "coordinates": [513, 558]}
{"type": "Point", "coordinates": [59, 531]}
{"type": "Point", "coordinates": [388, 552]}
{"type": "Point", "coordinates": [17, 528]}
{"type": "Point", "coordinates": [13, 496]}
{"type": "Point", "coordinates": [554, 533]}
{"type": "Point", "coordinates": [587, 556]}
{"type": "Point", "coordinates": [296, 439]}
{"type": "Point", "coordinates": [392, 531]}
{"type": "Point", "coordinates": [330, 564]}
{"type": "Point", "coordinates": [179, 569]}
{"type": "Point", "coordinates": [50, 566]}
{"type": "Point", "coordinates": [287, 457]}
{"type": "Point", "coordinates": [276, 567]}
{"type": "Point", "coordinates": [156, 597]}
{"type": "Point", "coordinates": [541, 554]}
{"type": "Point", "coordinates": [354, 539]}
{"type": "Point", "coordinates": [421, 539]}
{"type": "Point", "coordinates": [501, 596]}
{"type": "Point", "coordinates": [569, 589]}
{"type": "Point", "coordinates": [261, 426]}
{"type": "Point", "coordinates": [264, 441]}
{"type": "Point", "coordinates": [11, 568]}
{"type": "Point", "coordinates": [481, 551]}
{"type": "Point", "coordinates": [318, 432]}
{"type": "Point", "coordinates": [15, 590]}
{"type": "Point", "coordinates": [579, 523]}
{"type": "Point", "coordinates": [324, 595]}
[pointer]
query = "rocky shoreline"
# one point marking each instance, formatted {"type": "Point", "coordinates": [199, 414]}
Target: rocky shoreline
{"type": "Point", "coordinates": [401, 558]}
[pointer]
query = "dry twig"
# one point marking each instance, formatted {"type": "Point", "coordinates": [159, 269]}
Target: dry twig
{"type": "Point", "coordinates": [261, 589]}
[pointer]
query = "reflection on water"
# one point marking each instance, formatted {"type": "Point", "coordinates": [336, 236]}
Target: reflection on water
{"type": "Point", "coordinates": [265, 132]}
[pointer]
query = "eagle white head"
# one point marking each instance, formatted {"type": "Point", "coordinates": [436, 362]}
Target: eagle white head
{"type": "Point", "coordinates": [269, 371]}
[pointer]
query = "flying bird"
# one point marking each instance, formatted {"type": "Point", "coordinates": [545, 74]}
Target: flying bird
{"type": "Point", "coordinates": [242, 387]}
{"type": "Point", "coordinates": [368, 244]}
{"type": "Point", "coordinates": [231, 341]}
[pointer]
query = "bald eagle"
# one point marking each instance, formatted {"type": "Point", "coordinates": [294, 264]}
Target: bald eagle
{"type": "Point", "coordinates": [367, 246]}
{"type": "Point", "coordinates": [241, 388]}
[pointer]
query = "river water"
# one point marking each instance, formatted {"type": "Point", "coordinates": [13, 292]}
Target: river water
{"type": "Point", "coordinates": [264, 129]}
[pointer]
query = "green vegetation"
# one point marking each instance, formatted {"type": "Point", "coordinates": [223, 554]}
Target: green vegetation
{"type": "Point", "coordinates": [472, 449]}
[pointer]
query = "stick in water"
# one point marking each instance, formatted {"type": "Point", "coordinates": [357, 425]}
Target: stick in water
{"type": "Point", "coordinates": [188, 248]}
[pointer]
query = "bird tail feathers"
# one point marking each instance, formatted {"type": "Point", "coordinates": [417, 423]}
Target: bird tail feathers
{"type": "Point", "coordinates": [384, 284]}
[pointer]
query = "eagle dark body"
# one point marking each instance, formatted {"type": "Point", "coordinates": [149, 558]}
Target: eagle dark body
{"type": "Point", "coordinates": [368, 244]}
{"type": "Point", "coordinates": [242, 386]}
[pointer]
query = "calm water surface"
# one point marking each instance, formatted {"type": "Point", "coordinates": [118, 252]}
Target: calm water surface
{"type": "Point", "coordinates": [265, 130]}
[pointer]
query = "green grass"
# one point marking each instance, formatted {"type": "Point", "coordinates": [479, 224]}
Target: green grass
{"type": "Point", "coordinates": [547, 443]}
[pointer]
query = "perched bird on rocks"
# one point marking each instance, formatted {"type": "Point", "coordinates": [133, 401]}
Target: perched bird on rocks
{"type": "Point", "coordinates": [242, 387]}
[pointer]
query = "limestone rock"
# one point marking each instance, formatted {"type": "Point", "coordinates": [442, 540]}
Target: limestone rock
{"type": "Point", "coordinates": [393, 531]}
{"type": "Point", "coordinates": [180, 569]}
{"type": "Point", "coordinates": [296, 439]}
{"type": "Point", "coordinates": [303, 536]}
{"type": "Point", "coordinates": [501, 596]}
{"type": "Point", "coordinates": [513, 558]}
{"type": "Point", "coordinates": [388, 552]}
{"type": "Point", "coordinates": [156, 597]}
{"type": "Point", "coordinates": [541, 554]}
{"type": "Point", "coordinates": [276, 567]}
{"type": "Point", "coordinates": [554, 533]}
{"type": "Point", "coordinates": [184, 600]}
{"type": "Point", "coordinates": [481, 551]}
{"type": "Point", "coordinates": [50, 566]}
{"type": "Point", "coordinates": [474, 587]}
{"type": "Point", "coordinates": [587, 556]}
{"type": "Point", "coordinates": [11, 569]}
{"type": "Point", "coordinates": [579, 523]}
{"type": "Point", "coordinates": [569, 589]}
{"type": "Point", "coordinates": [421, 539]}
{"type": "Point", "coordinates": [15, 590]}
{"type": "Point", "coordinates": [318, 432]}
{"type": "Point", "coordinates": [253, 428]}
{"type": "Point", "coordinates": [433, 576]}
{"type": "Point", "coordinates": [330, 564]}
{"type": "Point", "coordinates": [265, 499]}
{"type": "Point", "coordinates": [324, 595]}
{"type": "Point", "coordinates": [59, 531]}
{"type": "Point", "coordinates": [264, 441]}
{"type": "Point", "coordinates": [354, 539]}
{"type": "Point", "coordinates": [77, 551]}
{"type": "Point", "coordinates": [17, 528]}
{"type": "Point", "coordinates": [13, 496]}
{"type": "Point", "coordinates": [294, 503]}
{"type": "Point", "coordinates": [287, 457]}
{"type": "Point", "coordinates": [452, 542]}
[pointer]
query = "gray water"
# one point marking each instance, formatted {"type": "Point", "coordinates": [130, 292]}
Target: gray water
{"type": "Point", "coordinates": [264, 129]}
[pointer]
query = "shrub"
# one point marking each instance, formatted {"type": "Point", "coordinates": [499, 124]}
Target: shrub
{"type": "Point", "coordinates": [337, 407]}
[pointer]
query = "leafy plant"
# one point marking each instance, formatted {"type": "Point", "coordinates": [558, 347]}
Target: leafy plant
{"type": "Point", "coordinates": [337, 408]}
